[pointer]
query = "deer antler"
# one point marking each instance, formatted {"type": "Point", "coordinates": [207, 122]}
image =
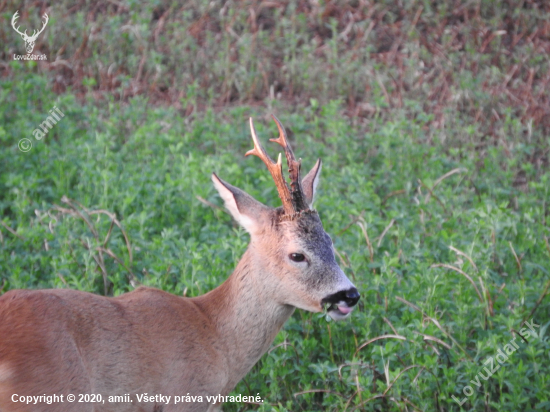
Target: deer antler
{"type": "Point", "coordinates": [276, 170]}
{"type": "Point", "coordinates": [35, 33]}
{"type": "Point", "coordinates": [13, 19]}
{"type": "Point", "coordinates": [46, 19]}
{"type": "Point", "coordinates": [294, 167]}
{"type": "Point", "coordinates": [293, 199]}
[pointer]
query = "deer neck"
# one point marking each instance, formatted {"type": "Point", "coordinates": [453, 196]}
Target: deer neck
{"type": "Point", "coordinates": [245, 315]}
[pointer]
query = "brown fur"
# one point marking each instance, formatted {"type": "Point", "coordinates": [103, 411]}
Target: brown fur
{"type": "Point", "coordinates": [146, 341]}
{"type": "Point", "coordinates": [60, 342]}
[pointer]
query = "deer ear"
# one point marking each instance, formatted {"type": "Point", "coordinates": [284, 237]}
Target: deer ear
{"type": "Point", "coordinates": [244, 208]}
{"type": "Point", "coordinates": [310, 182]}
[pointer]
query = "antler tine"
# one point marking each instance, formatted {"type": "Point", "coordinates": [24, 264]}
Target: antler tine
{"type": "Point", "coordinates": [258, 148]}
{"type": "Point", "coordinates": [46, 20]}
{"type": "Point", "coordinates": [276, 170]}
{"type": "Point", "coordinates": [294, 167]}
{"type": "Point", "coordinates": [283, 140]}
{"type": "Point", "coordinates": [13, 19]}
{"type": "Point", "coordinates": [35, 32]}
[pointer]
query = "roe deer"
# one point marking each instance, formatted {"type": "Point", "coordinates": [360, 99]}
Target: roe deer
{"type": "Point", "coordinates": [149, 342]}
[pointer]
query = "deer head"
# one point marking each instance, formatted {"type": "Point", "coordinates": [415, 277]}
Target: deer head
{"type": "Point", "coordinates": [29, 40]}
{"type": "Point", "coordinates": [292, 248]}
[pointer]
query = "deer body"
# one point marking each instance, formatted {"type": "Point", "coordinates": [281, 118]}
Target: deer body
{"type": "Point", "coordinates": [95, 338]}
{"type": "Point", "coordinates": [96, 346]}
{"type": "Point", "coordinates": [155, 343]}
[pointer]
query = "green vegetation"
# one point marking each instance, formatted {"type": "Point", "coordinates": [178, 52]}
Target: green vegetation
{"type": "Point", "coordinates": [435, 184]}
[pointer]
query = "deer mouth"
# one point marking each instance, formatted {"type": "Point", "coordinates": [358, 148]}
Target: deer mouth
{"type": "Point", "coordinates": [339, 305]}
{"type": "Point", "coordinates": [339, 311]}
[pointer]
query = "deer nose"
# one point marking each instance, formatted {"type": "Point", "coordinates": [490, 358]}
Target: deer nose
{"type": "Point", "coordinates": [350, 297]}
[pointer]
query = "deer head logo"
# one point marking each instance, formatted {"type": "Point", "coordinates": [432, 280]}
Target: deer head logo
{"type": "Point", "coordinates": [29, 40]}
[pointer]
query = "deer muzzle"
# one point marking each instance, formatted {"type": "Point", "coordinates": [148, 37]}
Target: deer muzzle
{"type": "Point", "coordinates": [341, 304]}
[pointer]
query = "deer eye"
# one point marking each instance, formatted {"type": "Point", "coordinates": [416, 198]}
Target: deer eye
{"type": "Point", "coordinates": [297, 257]}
